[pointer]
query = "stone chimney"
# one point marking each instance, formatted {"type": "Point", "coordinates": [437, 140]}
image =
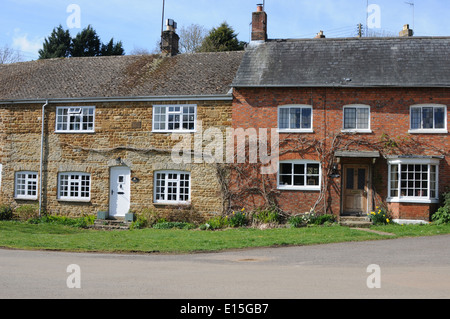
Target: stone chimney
{"type": "Point", "coordinates": [259, 24]}
{"type": "Point", "coordinates": [320, 35]}
{"type": "Point", "coordinates": [406, 32]}
{"type": "Point", "coordinates": [170, 39]}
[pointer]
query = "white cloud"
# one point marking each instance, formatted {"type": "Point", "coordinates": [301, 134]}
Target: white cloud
{"type": "Point", "coordinates": [27, 47]}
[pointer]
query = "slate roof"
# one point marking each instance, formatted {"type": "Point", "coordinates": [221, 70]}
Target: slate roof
{"type": "Point", "coordinates": [199, 74]}
{"type": "Point", "coordinates": [347, 62]}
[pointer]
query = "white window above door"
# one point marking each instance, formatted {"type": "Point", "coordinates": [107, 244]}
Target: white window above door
{"type": "Point", "coordinates": [356, 118]}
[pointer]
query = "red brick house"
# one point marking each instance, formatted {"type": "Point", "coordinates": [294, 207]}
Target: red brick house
{"type": "Point", "coordinates": [362, 122]}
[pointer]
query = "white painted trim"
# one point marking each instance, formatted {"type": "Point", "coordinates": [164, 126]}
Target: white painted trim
{"type": "Point", "coordinates": [409, 221]}
{"type": "Point", "coordinates": [69, 198]}
{"type": "Point", "coordinates": [428, 131]}
{"type": "Point", "coordinates": [26, 197]}
{"type": "Point", "coordinates": [167, 202]}
{"type": "Point", "coordinates": [300, 188]}
{"type": "Point", "coordinates": [293, 106]}
{"type": "Point", "coordinates": [413, 199]}
{"type": "Point", "coordinates": [356, 130]}
{"type": "Point", "coordinates": [166, 122]}
{"type": "Point", "coordinates": [68, 131]}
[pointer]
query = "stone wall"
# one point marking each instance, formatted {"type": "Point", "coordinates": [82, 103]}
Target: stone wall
{"type": "Point", "coordinates": [122, 129]}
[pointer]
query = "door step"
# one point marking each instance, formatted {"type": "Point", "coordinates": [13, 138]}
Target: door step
{"type": "Point", "coordinates": [355, 221]}
{"type": "Point", "coordinates": [110, 224]}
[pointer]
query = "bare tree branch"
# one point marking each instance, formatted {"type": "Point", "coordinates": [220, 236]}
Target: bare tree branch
{"type": "Point", "coordinates": [8, 55]}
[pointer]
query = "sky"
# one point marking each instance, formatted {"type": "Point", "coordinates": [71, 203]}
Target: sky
{"type": "Point", "coordinates": [24, 24]}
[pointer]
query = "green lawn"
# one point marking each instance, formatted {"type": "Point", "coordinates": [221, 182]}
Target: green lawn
{"type": "Point", "coordinates": [64, 238]}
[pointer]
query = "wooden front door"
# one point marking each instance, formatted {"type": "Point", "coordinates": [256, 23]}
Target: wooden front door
{"type": "Point", "coordinates": [355, 189]}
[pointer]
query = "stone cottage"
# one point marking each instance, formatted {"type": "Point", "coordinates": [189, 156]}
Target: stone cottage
{"type": "Point", "coordinates": [83, 135]}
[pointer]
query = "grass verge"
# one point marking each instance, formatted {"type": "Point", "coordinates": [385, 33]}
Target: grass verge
{"type": "Point", "coordinates": [17, 235]}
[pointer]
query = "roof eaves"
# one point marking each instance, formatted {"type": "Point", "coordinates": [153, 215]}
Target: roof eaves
{"type": "Point", "coordinates": [218, 97]}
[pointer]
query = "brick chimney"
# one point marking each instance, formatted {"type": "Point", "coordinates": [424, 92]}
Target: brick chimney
{"type": "Point", "coordinates": [406, 32]}
{"type": "Point", "coordinates": [170, 39]}
{"type": "Point", "coordinates": [259, 24]}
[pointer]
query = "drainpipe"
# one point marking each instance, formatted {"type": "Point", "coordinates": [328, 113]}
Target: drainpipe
{"type": "Point", "coordinates": [42, 156]}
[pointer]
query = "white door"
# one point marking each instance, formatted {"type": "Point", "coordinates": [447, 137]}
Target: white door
{"type": "Point", "coordinates": [119, 191]}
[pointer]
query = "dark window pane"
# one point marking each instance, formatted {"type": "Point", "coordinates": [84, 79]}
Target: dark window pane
{"type": "Point", "coordinates": [299, 169]}
{"type": "Point", "coordinates": [286, 169]}
{"type": "Point", "coordinates": [350, 177]}
{"type": "Point", "coordinates": [416, 118]}
{"type": "Point", "coordinates": [285, 179]}
{"type": "Point", "coordinates": [439, 117]}
{"type": "Point", "coordinates": [361, 178]}
{"type": "Point", "coordinates": [349, 118]}
{"type": "Point", "coordinates": [427, 117]}
{"type": "Point", "coordinates": [313, 169]}
{"type": "Point", "coordinates": [299, 180]}
{"type": "Point", "coordinates": [306, 118]}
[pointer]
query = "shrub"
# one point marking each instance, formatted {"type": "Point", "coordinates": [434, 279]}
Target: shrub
{"type": "Point", "coordinates": [217, 222]}
{"type": "Point", "coordinates": [380, 216]}
{"type": "Point", "coordinates": [296, 221]}
{"type": "Point", "coordinates": [267, 215]}
{"type": "Point", "coordinates": [27, 212]}
{"type": "Point", "coordinates": [442, 216]}
{"type": "Point", "coordinates": [309, 218]}
{"type": "Point", "coordinates": [324, 219]}
{"type": "Point", "coordinates": [80, 222]}
{"type": "Point", "coordinates": [140, 222]}
{"type": "Point", "coordinates": [238, 219]}
{"type": "Point", "coordinates": [6, 212]}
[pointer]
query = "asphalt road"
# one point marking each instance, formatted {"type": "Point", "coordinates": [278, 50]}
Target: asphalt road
{"type": "Point", "coordinates": [404, 268]}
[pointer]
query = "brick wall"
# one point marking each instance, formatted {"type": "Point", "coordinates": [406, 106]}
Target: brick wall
{"type": "Point", "coordinates": [390, 116]}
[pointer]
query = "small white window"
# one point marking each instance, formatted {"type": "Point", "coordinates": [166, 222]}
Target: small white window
{"type": "Point", "coordinates": [357, 118]}
{"type": "Point", "coordinates": [26, 185]}
{"type": "Point", "coordinates": [174, 118]}
{"type": "Point", "coordinates": [75, 119]}
{"type": "Point", "coordinates": [74, 186]}
{"type": "Point", "coordinates": [428, 119]}
{"type": "Point", "coordinates": [295, 118]}
{"type": "Point", "coordinates": [299, 175]}
{"type": "Point", "coordinates": [172, 187]}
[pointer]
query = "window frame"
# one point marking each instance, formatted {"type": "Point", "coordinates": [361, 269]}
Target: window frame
{"type": "Point", "coordinates": [357, 130]}
{"type": "Point", "coordinates": [79, 185]}
{"type": "Point", "coordinates": [413, 199]}
{"type": "Point", "coordinates": [422, 130]}
{"type": "Point", "coordinates": [27, 180]}
{"type": "Point", "coordinates": [304, 187]}
{"type": "Point", "coordinates": [68, 118]}
{"type": "Point", "coordinates": [166, 179]}
{"type": "Point", "coordinates": [295, 130]}
{"type": "Point", "coordinates": [166, 120]}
